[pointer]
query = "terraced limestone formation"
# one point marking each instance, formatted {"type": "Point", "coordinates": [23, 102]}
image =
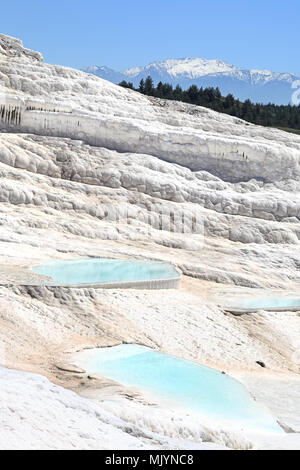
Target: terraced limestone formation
{"type": "Point", "coordinates": [89, 169]}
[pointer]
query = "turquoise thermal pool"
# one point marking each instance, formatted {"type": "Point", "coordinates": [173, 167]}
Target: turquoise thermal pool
{"type": "Point", "coordinates": [267, 303]}
{"type": "Point", "coordinates": [180, 384]}
{"type": "Point", "coordinates": [106, 271]}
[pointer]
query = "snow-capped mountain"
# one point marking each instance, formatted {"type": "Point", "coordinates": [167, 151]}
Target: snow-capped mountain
{"type": "Point", "coordinates": [258, 85]}
{"type": "Point", "coordinates": [106, 73]}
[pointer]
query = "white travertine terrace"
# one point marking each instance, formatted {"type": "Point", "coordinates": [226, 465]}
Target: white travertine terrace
{"type": "Point", "coordinates": [102, 114]}
{"type": "Point", "coordinates": [72, 146]}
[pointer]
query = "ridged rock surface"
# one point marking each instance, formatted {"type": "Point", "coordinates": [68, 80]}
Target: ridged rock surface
{"type": "Point", "coordinates": [107, 115]}
{"type": "Point", "coordinates": [88, 168]}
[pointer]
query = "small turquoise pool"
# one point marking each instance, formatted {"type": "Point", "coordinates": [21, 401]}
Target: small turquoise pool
{"type": "Point", "coordinates": [106, 271]}
{"type": "Point", "coordinates": [267, 303]}
{"type": "Point", "coordinates": [181, 383]}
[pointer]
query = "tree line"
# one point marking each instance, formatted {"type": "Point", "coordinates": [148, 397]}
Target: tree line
{"type": "Point", "coordinates": [272, 115]}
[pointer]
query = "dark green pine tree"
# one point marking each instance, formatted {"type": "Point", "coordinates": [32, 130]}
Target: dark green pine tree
{"type": "Point", "coordinates": [149, 86]}
{"type": "Point", "coordinates": [125, 84]}
{"type": "Point", "coordinates": [167, 91]}
{"type": "Point", "coordinates": [193, 93]}
{"type": "Point", "coordinates": [159, 90]}
{"type": "Point", "coordinates": [178, 93]}
{"type": "Point", "coordinates": [229, 101]}
{"type": "Point", "coordinates": [142, 86]}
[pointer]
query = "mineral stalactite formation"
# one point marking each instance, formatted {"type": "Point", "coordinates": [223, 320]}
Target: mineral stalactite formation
{"type": "Point", "coordinates": [11, 112]}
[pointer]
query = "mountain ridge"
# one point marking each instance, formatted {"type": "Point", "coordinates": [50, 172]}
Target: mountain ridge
{"type": "Point", "coordinates": [257, 85]}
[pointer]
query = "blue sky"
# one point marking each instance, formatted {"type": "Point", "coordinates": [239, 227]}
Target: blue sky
{"type": "Point", "coordinates": [121, 34]}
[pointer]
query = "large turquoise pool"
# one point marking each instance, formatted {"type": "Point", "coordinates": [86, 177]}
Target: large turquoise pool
{"type": "Point", "coordinates": [180, 383]}
{"type": "Point", "coordinates": [105, 271]}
